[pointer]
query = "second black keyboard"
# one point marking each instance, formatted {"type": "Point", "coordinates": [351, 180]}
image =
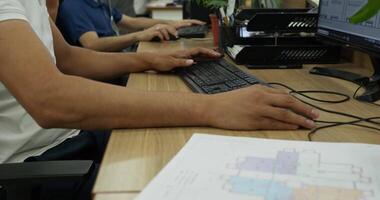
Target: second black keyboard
{"type": "Point", "coordinates": [213, 77]}
{"type": "Point", "coordinates": [197, 31]}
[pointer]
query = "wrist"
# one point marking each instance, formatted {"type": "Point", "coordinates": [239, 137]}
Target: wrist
{"type": "Point", "coordinates": [147, 60]}
{"type": "Point", "coordinates": [203, 110]}
{"type": "Point", "coordinates": [135, 36]}
{"type": "Point", "coordinates": [168, 22]}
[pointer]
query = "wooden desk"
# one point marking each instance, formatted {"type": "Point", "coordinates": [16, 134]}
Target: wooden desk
{"type": "Point", "coordinates": [116, 196]}
{"type": "Point", "coordinates": [160, 10]}
{"type": "Point", "coordinates": [135, 156]}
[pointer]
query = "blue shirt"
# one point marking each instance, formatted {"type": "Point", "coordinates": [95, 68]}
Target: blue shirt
{"type": "Point", "coordinates": [76, 17]}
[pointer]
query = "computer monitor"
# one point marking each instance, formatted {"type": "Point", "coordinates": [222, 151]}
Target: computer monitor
{"type": "Point", "coordinates": [354, 24]}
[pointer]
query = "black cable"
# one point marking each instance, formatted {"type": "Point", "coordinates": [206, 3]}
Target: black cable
{"type": "Point", "coordinates": [346, 98]}
{"type": "Point", "coordinates": [331, 123]}
{"type": "Point", "coordinates": [304, 92]}
{"type": "Point", "coordinates": [356, 92]}
{"type": "Point", "coordinates": [352, 123]}
{"type": "Point", "coordinates": [375, 104]}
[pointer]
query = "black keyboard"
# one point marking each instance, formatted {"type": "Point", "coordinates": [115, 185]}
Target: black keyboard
{"type": "Point", "coordinates": [213, 77]}
{"type": "Point", "coordinates": [197, 31]}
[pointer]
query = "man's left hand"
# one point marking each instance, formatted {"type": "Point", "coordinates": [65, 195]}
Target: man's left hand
{"type": "Point", "coordinates": [184, 58]}
{"type": "Point", "coordinates": [186, 22]}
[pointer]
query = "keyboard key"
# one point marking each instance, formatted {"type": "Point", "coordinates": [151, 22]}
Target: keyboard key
{"type": "Point", "coordinates": [216, 77]}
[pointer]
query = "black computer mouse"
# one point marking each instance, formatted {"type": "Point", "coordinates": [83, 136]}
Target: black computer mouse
{"type": "Point", "coordinates": [171, 4]}
{"type": "Point", "coordinates": [158, 39]}
{"type": "Point", "coordinates": [202, 58]}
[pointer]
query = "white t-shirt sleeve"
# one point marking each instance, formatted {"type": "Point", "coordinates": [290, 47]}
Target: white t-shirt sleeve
{"type": "Point", "coordinates": [12, 9]}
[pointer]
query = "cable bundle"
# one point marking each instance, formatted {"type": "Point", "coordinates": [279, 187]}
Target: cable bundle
{"type": "Point", "coordinates": [356, 119]}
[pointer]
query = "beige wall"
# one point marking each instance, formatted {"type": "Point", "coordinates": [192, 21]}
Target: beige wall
{"type": "Point", "coordinates": [294, 3]}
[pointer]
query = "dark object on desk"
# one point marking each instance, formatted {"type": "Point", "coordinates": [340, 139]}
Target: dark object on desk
{"type": "Point", "coordinates": [192, 10]}
{"type": "Point", "coordinates": [283, 22]}
{"type": "Point", "coordinates": [246, 14]}
{"type": "Point", "coordinates": [348, 76]}
{"type": "Point", "coordinates": [274, 66]}
{"type": "Point", "coordinates": [197, 31]}
{"type": "Point", "coordinates": [282, 56]}
{"type": "Point", "coordinates": [19, 180]}
{"type": "Point", "coordinates": [216, 77]}
{"type": "Point", "coordinates": [171, 4]}
{"type": "Point", "coordinates": [363, 37]}
{"type": "Point", "coordinates": [276, 38]}
{"type": "Point", "coordinates": [158, 39]}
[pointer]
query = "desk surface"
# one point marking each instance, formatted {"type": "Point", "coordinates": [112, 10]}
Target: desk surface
{"type": "Point", "coordinates": [116, 196]}
{"type": "Point", "coordinates": [135, 156]}
{"type": "Point", "coordinates": [158, 5]}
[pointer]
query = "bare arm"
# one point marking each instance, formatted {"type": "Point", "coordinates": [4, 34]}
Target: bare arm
{"type": "Point", "coordinates": [57, 100]}
{"type": "Point", "coordinates": [102, 66]}
{"type": "Point", "coordinates": [91, 64]}
{"type": "Point", "coordinates": [139, 23]}
{"type": "Point", "coordinates": [91, 40]}
{"type": "Point", "coordinates": [52, 6]}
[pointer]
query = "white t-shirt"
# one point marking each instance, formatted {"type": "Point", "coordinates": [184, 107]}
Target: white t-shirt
{"type": "Point", "coordinates": [20, 135]}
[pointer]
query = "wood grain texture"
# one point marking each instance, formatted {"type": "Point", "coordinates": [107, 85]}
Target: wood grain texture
{"type": "Point", "coordinates": [116, 196]}
{"type": "Point", "coordinates": [135, 156]}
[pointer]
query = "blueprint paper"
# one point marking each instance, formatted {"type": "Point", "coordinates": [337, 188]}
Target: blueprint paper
{"type": "Point", "coordinates": [213, 167]}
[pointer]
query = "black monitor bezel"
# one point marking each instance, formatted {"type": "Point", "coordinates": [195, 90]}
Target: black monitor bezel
{"type": "Point", "coordinates": [337, 41]}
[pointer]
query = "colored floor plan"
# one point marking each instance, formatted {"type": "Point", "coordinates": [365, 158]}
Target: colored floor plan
{"type": "Point", "coordinates": [293, 175]}
{"type": "Point", "coordinates": [212, 167]}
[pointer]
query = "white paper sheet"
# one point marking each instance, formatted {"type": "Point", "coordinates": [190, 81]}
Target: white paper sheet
{"type": "Point", "coordinates": [235, 168]}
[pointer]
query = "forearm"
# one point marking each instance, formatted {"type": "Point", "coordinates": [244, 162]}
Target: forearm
{"type": "Point", "coordinates": [141, 23]}
{"type": "Point", "coordinates": [101, 66]}
{"type": "Point", "coordinates": [112, 44]}
{"type": "Point", "coordinates": [52, 6]}
{"type": "Point", "coordinates": [101, 106]}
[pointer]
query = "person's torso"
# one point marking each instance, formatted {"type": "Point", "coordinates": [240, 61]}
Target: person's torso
{"type": "Point", "coordinates": [98, 14]}
{"type": "Point", "coordinates": [20, 135]}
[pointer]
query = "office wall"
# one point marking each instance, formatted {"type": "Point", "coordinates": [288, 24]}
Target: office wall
{"type": "Point", "coordinates": [294, 3]}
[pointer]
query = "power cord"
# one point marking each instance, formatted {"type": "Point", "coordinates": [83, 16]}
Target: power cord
{"type": "Point", "coordinates": [353, 123]}
{"type": "Point", "coordinates": [356, 92]}
{"type": "Point", "coordinates": [331, 124]}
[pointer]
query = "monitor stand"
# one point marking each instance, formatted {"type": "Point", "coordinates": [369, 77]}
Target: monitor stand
{"type": "Point", "coordinates": [370, 84]}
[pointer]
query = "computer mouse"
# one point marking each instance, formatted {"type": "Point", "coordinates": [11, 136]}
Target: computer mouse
{"type": "Point", "coordinates": [171, 4]}
{"type": "Point", "coordinates": [202, 58]}
{"type": "Point", "coordinates": [158, 39]}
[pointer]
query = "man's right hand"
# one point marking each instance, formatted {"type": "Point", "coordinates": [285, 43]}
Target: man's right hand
{"type": "Point", "coordinates": [259, 107]}
{"type": "Point", "coordinates": [162, 31]}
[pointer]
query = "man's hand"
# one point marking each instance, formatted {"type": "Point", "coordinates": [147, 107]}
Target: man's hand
{"type": "Point", "coordinates": [162, 31]}
{"type": "Point", "coordinates": [186, 22]}
{"type": "Point", "coordinates": [259, 107]}
{"type": "Point", "coordinates": [184, 58]}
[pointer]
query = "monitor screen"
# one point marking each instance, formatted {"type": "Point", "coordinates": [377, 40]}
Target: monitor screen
{"type": "Point", "coordinates": [352, 23]}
